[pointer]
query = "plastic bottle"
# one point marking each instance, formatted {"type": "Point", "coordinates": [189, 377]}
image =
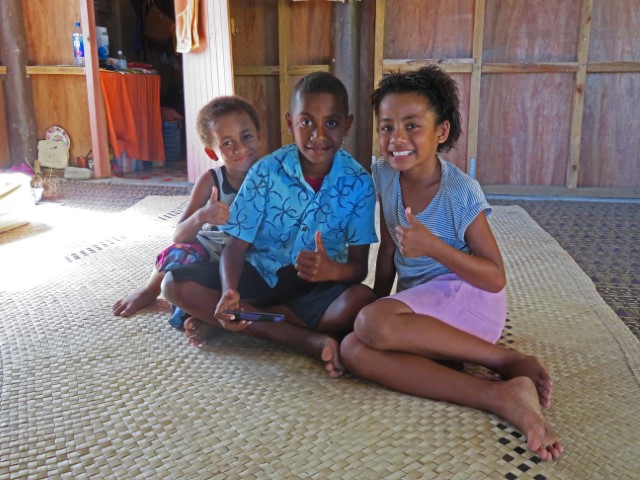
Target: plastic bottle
{"type": "Point", "coordinates": [78, 46]}
{"type": "Point", "coordinates": [122, 61]}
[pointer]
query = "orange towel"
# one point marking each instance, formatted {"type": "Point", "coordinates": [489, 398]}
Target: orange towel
{"type": "Point", "coordinates": [134, 123]}
{"type": "Point", "coordinates": [187, 37]}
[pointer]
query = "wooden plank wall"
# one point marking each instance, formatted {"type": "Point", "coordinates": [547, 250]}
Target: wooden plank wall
{"type": "Point", "coordinates": [548, 87]}
{"type": "Point", "coordinates": [4, 141]}
{"type": "Point", "coordinates": [58, 99]}
{"type": "Point", "coordinates": [275, 43]}
{"type": "Point", "coordinates": [207, 73]}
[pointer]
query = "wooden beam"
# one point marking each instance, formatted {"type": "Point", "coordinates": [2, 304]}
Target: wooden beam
{"type": "Point", "coordinates": [613, 67]}
{"type": "Point", "coordinates": [378, 64]}
{"type": "Point", "coordinates": [97, 123]}
{"type": "Point", "coordinates": [345, 45]}
{"type": "Point", "coordinates": [284, 13]}
{"type": "Point", "coordinates": [537, 67]}
{"type": "Point", "coordinates": [474, 93]}
{"type": "Point", "coordinates": [20, 110]}
{"type": "Point", "coordinates": [306, 69]}
{"type": "Point", "coordinates": [577, 111]}
{"type": "Point", "coordinates": [256, 71]}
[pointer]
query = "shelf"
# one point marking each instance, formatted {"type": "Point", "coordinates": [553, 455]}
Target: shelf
{"type": "Point", "coordinates": [49, 70]}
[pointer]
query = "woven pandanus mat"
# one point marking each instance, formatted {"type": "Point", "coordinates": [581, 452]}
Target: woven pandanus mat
{"type": "Point", "coordinates": [88, 395]}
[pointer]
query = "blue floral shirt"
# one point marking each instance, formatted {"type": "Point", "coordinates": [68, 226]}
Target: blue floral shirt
{"type": "Point", "coordinates": [278, 213]}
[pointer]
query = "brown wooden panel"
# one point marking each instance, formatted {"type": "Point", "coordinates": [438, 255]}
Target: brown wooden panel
{"type": "Point", "coordinates": [433, 29]}
{"type": "Point", "coordinates": [310, 33]}
{"type": "Point", "coordinates": [62, 100]}
{"type": "Point", "coordinates": [610, 147]}
{"type": "Point", "coordinates": [458, 155]}
{"type": "Point", "coordinates": [254, 33]}
{"type": "Point", "coordinates": [524, 129]}
{"type": "Point", "coordinates": [531, 30]}
{"type": "Point", "coordinates": [262, 93]}
{"type": "Point", "coordinates": [615, 31]}
{"type": "Point", "coordinates": [4, 141]}
{"type": "Point", "coordinates": [48, 26]}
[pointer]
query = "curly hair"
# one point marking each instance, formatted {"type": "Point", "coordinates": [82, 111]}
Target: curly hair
{"type": "Point", "coordinates": [217, 108]}
{"type": "Point", "coordinates": [321, 82]}
{"type": "Point", "coordinates": [436, 86]}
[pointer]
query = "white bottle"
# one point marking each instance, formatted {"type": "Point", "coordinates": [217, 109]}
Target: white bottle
{"type": "Point", "coordinates": [122, 61]}
{"type": "Point", "coordinates": [78, 46]}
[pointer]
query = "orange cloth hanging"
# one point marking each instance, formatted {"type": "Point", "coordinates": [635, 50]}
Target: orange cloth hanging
{"type": "Point", "coordinates": [187, 37]}
{"type": "Point", "coordinates": [132, 106]}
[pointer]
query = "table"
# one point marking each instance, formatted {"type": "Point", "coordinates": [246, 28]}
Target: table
{"type": "Point", "coordinates": [132, 106]}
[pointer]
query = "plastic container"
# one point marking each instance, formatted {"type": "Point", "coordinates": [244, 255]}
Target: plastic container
{"type": "Point", "coordinates": [78, 45]}
{"type": "Point", "coordinates": [122, 61]}
{"type": "Point", "coordinates": [172, 138]}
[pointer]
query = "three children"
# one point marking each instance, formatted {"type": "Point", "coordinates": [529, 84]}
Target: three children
{"type": "Point", "coordinates": [299, 235]}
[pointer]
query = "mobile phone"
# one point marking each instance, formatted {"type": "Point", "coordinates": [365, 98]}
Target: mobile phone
{"type": "Point", "coordinates": [256, 316]}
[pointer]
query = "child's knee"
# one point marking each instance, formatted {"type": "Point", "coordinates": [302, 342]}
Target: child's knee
{"type": "Point", "coordinates": [168, 287]}
{"type": "Point", "coordinates": [372, 329]}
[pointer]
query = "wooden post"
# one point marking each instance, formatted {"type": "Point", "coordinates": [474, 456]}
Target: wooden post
{"type": "Point", "coordinates": [97, 124]}
{"type": "Point", "coordinates": [20, 111]}
{"type": "Point", "coordinates": [283, 72]}
{"type": "Point", "coordinates": [378, 61]}
{"type": "Point", "coordinates": [346, 66]}
{"type": "Point", "coordinates": [474, 94]}
{"type": "Point", "coordinates": [577, 110]}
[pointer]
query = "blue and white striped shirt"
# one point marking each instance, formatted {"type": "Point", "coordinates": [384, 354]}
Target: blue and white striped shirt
{"type": "Point", "coordinates": [457, 203]}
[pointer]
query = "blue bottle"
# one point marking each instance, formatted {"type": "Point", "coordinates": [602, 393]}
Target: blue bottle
{"type": "Point", "coordinates": [78, 46]}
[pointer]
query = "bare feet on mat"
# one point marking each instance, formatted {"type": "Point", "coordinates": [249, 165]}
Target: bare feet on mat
{"type": "Point", "coordinates": [133, 302]}
{"type": "Point", "coordinates": [198, 332]}
{"type": "Point", "coordinates": [521, 409]}
{"type": "Point", "coordinates": [330, 356]}
{"type": "Point", "coordinates": [530, 366]}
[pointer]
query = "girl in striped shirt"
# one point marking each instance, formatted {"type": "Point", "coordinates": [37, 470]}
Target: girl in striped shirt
{"type": "Point", "coordinates": [450, 304]}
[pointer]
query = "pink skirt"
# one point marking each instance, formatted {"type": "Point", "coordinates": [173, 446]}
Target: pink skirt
{"type": "Point", "coordinates": [459, 304]}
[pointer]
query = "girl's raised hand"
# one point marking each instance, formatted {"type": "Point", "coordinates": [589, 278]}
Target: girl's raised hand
{"type": "Point", "coordinates": [414, 240]}
{"type": "Point", "coordinates": [214, 211]}
{"type": "Point", "coordinates": [314, 266]}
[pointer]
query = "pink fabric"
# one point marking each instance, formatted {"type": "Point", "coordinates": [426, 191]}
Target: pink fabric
{"type": "Point", "coordinates": [459, 304]}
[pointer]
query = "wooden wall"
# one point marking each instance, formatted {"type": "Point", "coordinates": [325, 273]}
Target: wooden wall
{"type": "Point", "coordinates": [59, 99]}
{"type": "Point", "coordinates": [207, 73]}
{"type": "Point", "coordinates": [547, 87]}
{"type": "Point", "coordinates": [275, 43]}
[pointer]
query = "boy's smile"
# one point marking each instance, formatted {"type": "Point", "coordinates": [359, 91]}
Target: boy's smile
{"type": "Point", "coordinates": [236, 141]}
{"type": "Point", "coordinates": [319, 125]}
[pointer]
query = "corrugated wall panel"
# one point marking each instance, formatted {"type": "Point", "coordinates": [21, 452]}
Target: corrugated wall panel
{"type": "Point", "coordinates": [207, 73]}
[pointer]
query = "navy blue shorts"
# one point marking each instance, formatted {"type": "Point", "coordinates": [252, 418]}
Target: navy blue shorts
{"type": "Point", "coordinates": [308, 300]}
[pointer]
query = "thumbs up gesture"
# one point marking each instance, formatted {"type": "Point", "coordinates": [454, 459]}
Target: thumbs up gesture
{"type": "Point", "coordinates": [415, 239]}
{"type": "Point", "coordinates": [214, 211]}
{"type": "Point", "coordinates": [314, 266]}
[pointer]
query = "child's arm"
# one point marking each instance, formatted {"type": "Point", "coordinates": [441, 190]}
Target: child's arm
{"type": "Point", "coordinates": [203, 207]}
{"type": "Point", "coordinates": [316, 266]}
{"type": "Point", "coordinates": [231, 267]}
{"type": "Point", "coordinates": [484, 269]}
{"type": "Point", "coordinates": [385, 267]}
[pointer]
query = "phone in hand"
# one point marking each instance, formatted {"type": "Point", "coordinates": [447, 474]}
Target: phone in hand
{"type": "Point", "coordinates": [256, 316]}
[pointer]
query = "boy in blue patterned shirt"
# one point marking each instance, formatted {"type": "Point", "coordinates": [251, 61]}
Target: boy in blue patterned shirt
{"type": "Point", "coordinates": [300, 229]}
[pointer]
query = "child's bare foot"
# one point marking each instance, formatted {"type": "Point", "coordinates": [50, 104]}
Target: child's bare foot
{"type": "Point", "coordinates": [330, 356]}
{"type": "Point", "coordinates": [520, 407]}
{"type": "Point", "coordinates": [133, 302]}
{"type": "Point", "coordinates": [198, 332]}
{"type": "Point", "coordinates": [530, 366]}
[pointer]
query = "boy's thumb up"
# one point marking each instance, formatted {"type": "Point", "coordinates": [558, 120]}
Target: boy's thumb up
{"type": "Point", "coordinates": [214, 195]}
{"type": "Point", "coordinates": [319, 245]}
{"type": "Point", "coordinates": [413, 221]}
